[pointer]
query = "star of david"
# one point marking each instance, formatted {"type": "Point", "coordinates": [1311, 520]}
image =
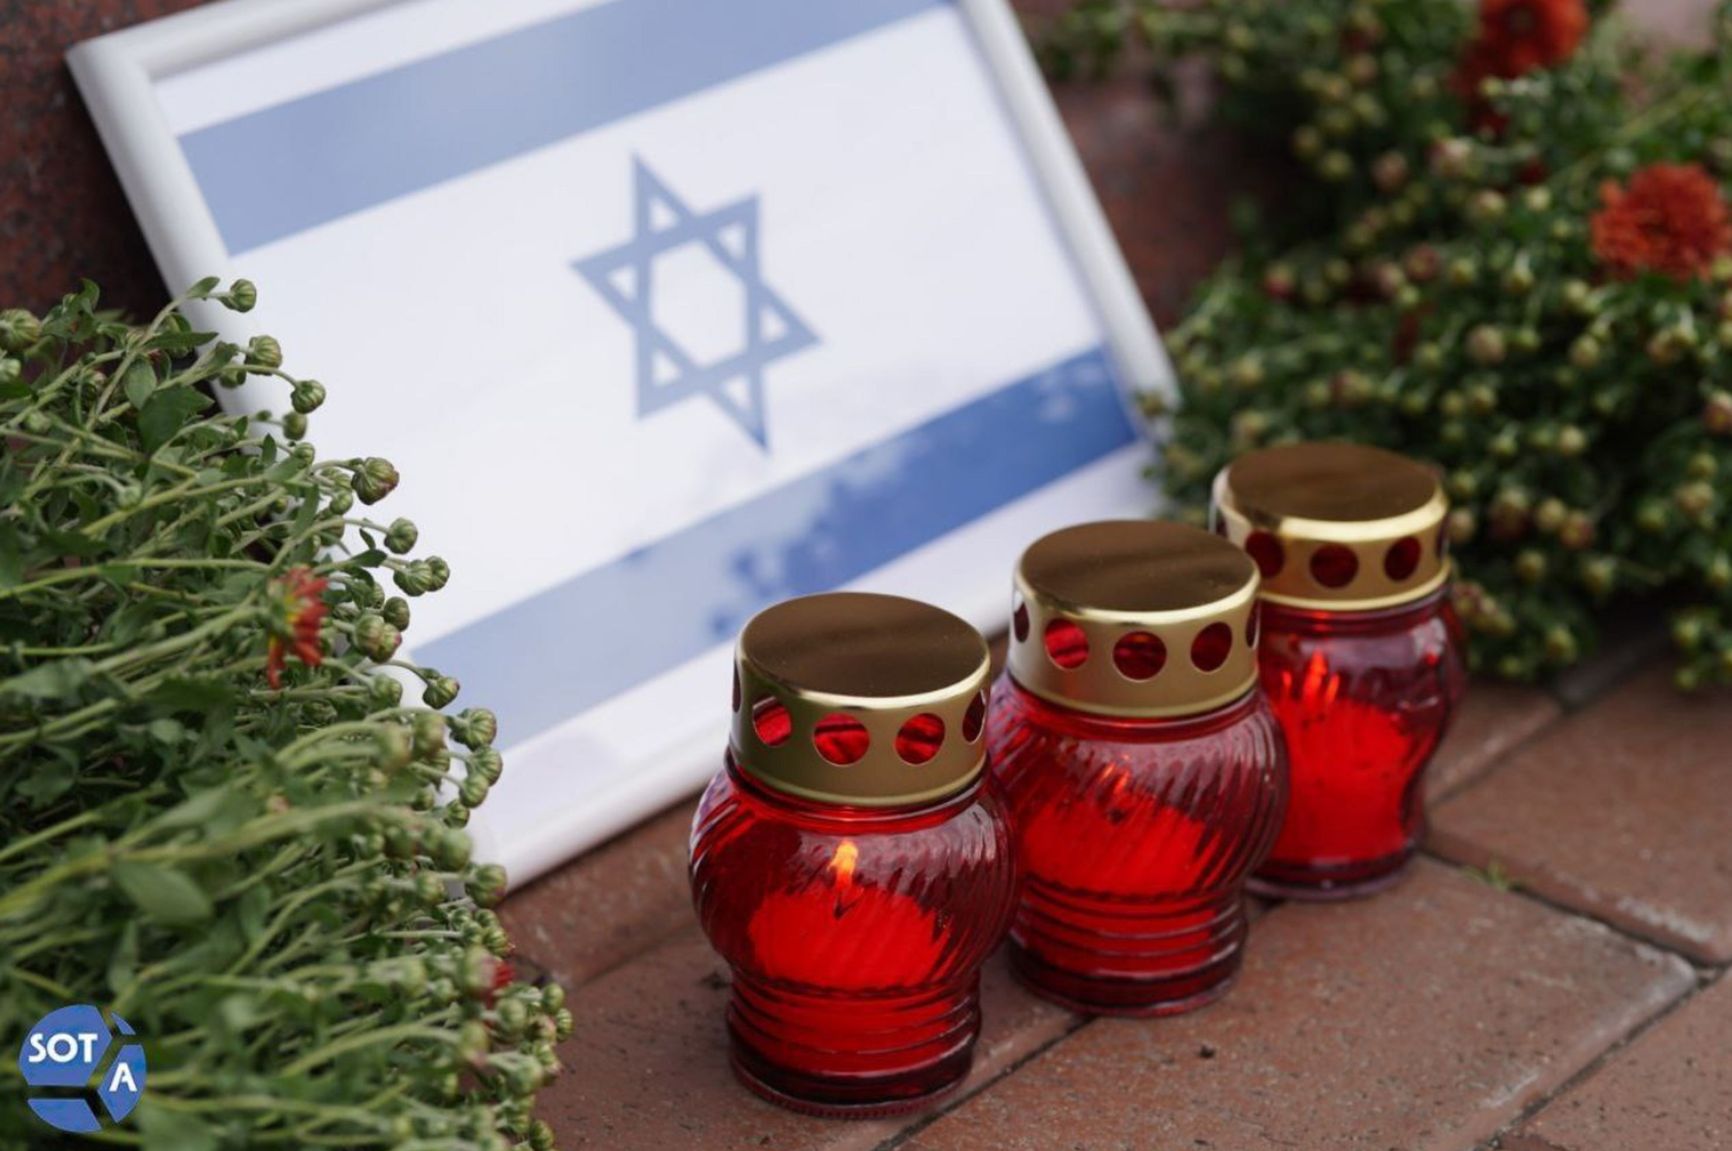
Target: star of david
{"type": "Point", "coordinates": [666, 373]}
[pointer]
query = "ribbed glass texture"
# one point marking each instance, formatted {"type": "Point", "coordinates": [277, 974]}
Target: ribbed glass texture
{"type": "Point", "coordinates": [856, 937]}
{"type": "Point", "coordinates": [1135, 838]}
{"type": "Point", "coordinates": [1363, 699]}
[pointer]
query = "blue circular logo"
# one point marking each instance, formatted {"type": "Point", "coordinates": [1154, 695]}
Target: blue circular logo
{"type": "Point", "coordinates": [67, 1052]}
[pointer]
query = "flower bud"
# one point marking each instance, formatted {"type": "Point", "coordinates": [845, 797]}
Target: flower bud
{"type": "Point", "coordinates": [1666, 346]}
{"type": "Point", "coordinates": [1453, 159]}
{"type": "Point", "coordinates": [1571, 441]}
{"type": "Point", "coordinates": [374, 479]}
{"type": "Point", "coordinates": [473, 790]}
{"type": "Point", "coordinates": [1549, 516]}
{"type": "Point", "coordinates": [295, 425]}
{"type": "Point", "coordinates": [438, 573]}
{"type": "Point", "coordinates": [384, 692]}
{"type": "Point", "coordinates": [1486, 206]}
{"type": "Point", "coordinates": [1561, 646]}
{"type": "Point", "coordinates": [1599, 575]}
{"type": "Point", "coordinates": [1695, 499]}
{"type": "Point", "coordinates": [340, 501]}
{"type": "Point", "coordinates": [450, 849]}
{"type": "Point", "coordinates": [1422, 263]}
{"type": "Point", "coordinates": [395, 749]}
{"type": "Point", "coordinates": [18, 329]}
{"type": "Point", "coordinates": [1653, 517]}
{"type": "Point", "coordinates": [1462, 524]}
{"type": "Point", "coordinates": [400, 537]}
{"type": "Point", "coordinates": [1718, 574]}
{"type": "Point", "coordinates": [376, 638]}
{"type": "Point", "coordinates": [1530, 565]}
{"type": "Point", "coordinates": [1585, 352]}
{"type": "Point", "coordinates": [1389, 172]}
{"type": "Point", "coordinates": [1336, 166]}
{"type": "Point", "coordinates": [396, 611]}
{"type": "Point", "coordinates": [242, 296]}
{"type": "Point", "coordinates": [476, 727]}
{"type": "Point", "coordinates": [1307, 142]}
{"type": "Point", "coordinates": [1717, 413]}
{"type": "Point", "coordinates": [307, 396]}
{"type": "Point", "coordinates": [1687, 632]}
{"type": "Point", "coordinates": [11, 371]}
{"type": "Point", "coordinates": [486, 885]}
{"type": "Point", "coordinates": [1279, 282]}
{"type": "Point", "coordinates": [487, 763]}
{"type": "Point", "coordinates": [412, 579]}
{"type": "Point", "coordinates": [1463, 271]}
{"type": "Point", "coordinates": [440, 691]}
{"type": "Point", "coordinates": [1577, 531]}
{"type": "Point", "coordinates": [1519, 280]}
{"type": "Point", "coordinates": [1509, 513]}
{"type": "Point", "coordinates": [264, 352]}
{"type": "Point", "coordinates": [1485, 345]}
{"type": "Point", "coordinates": [429, 731]}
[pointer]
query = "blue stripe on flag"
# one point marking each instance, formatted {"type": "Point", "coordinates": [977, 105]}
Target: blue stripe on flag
{"type": "Point", "coordinates": [566, 649]}
{"type": "Point", "coordinates": [284, 169]}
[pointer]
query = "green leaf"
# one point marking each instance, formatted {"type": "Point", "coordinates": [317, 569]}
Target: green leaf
{"type": "Point", "coordinates": [47, 782]}
{"type": "Point", "coordinates": [166, 413]}
{"type": "Point", "coordinates": [195, 811]}
{"type": "Point", "coordinates": [166, 731]}
{"type": "Point", "coordinates": [138, 383]}
{"type": "Point", "coordinates": [57, 679]}
{"type": "Point", "coordinates": [11, 557]}
{"type": "Point", "coordinates": [123, 963]}
{"type": "Point", "coordinates": [166, 1130]}
{"type": "Point", "coordinates": [163, 893]}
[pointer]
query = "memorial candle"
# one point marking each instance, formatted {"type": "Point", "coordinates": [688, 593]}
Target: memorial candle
{"type": "Point", "coordinates": [850, 861]}
{"type": "Point", "coordinates": [1143, 770]}
{"type": "Point", "coordinates": [1361, 653]}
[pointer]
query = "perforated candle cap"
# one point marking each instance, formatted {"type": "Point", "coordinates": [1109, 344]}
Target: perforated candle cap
{"type": "Point", "coordinates": [1336, 526]}
{"type": "Point", "coordinates": [1134, 618]}
{"type": "Point", "coordinates": [862, 699]}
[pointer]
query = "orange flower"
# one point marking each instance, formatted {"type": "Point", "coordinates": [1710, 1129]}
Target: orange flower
{"type": "Point", "coordinates": [1521, 36]}
{"type": "Point", "coordinates": [299, 612]}
{"type": "Point", "coordinates": [1516, 37]}
{"type": "Point", "coordinates": [1670, 219]}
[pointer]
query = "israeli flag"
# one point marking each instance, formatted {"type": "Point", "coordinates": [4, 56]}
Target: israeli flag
{"type": "Point", "coordinates": [666, 310]}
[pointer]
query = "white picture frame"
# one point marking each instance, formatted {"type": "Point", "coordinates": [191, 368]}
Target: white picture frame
{"type": "Point", "coordinates": [144, 85]}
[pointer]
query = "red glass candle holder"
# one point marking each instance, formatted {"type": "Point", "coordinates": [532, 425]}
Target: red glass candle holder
{"type": "Point", "coordinates": [1361, 652]}
{"type": "Point", "coordinates": [850, 862]}
{"type": "Point", "coordinates": [1143, 769]}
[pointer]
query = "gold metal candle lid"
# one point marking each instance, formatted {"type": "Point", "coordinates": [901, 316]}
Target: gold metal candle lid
{"type": "Point", "coordinates": [1336, 526]}
{"type": "Point", "coordinates": [1134, 618]}
{"type": "Point", "coordinates": [863, 699]}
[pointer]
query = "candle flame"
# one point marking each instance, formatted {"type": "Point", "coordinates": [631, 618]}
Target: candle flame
{"type": "Point", "coordinates": [842, 863]}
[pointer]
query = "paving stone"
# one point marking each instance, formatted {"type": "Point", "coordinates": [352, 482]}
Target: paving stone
{"type": "Point", "coordinates": [1671, 1088]}
{"type": "Point", "coordinates": [647, 1064]}
{"type": "Point", "coordinates": [1422, 1020]}
{"type": "Point", "coordinates": [1620, 811]}
{"type": "Point", "coordinates": [1495, 718]}
{"type": "Point", "coordinates": [606, 905]}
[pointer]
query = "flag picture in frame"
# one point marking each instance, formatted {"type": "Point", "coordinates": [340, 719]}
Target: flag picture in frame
{"type": "Point", "coordinates": [666, 310]}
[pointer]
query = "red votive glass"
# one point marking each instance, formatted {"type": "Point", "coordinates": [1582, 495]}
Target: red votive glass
{"type": "Point", "coordinates": [851, 861]}
{"type": "Point", "coordinates": [1143, 769]}
{"type": "Point", "coordinates": [1361, 654]}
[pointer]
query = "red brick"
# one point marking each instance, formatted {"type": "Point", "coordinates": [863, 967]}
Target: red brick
{"type": "Point", "coordinates": [1671, 1089]}
{"type": "Point", "coordinates": [647, 1065]}
{"type": "Point", "coordinates": [1620, 811]}
{"type": "Point", "coordinates": [607, 905]}
{"type": "Point", "coordinates": [1427, 1018]}
{"type": "Point", "coordinates": [1496, 718]}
